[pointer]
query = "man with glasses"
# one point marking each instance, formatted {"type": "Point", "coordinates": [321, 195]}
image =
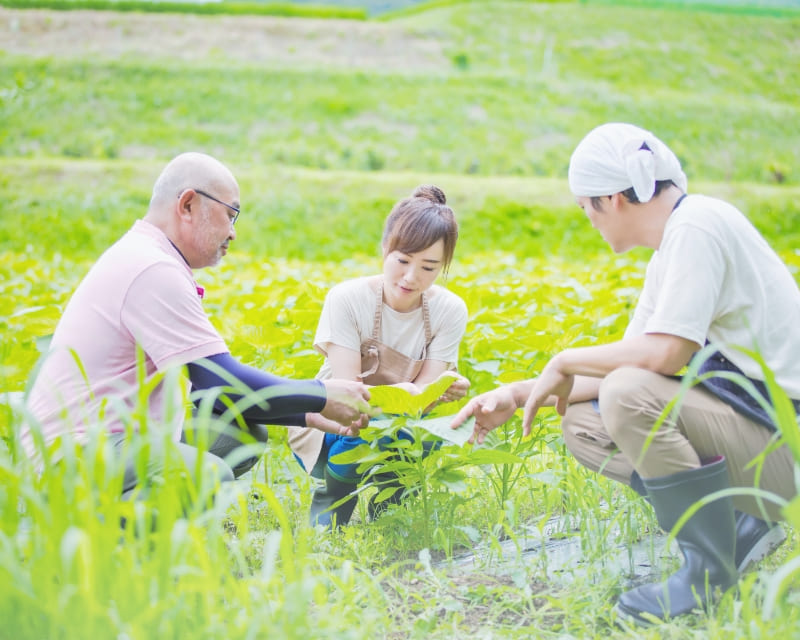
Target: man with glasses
{"type": "Point", "coordinates": [137, 317]}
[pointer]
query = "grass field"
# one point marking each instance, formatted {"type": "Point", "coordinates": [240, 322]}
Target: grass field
{"type": "Point", "coordinates": [327, 123]}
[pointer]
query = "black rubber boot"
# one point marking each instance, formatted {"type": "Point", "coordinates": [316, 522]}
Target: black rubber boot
{"type": "Point", "coordinates": [324, 507]}
{"type": "Point", "coordinates": [707, 541]}
{"type": "Point", "coordinates": [755, 538]}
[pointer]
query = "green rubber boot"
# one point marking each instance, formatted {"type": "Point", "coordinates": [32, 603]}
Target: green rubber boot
{"type": "Point", "coordinates": [707, 541]}
{"type": "Point", "coordinates": [755, 538]}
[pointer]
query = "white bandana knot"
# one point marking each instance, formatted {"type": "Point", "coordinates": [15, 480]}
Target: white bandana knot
{"type": "Point", "coordinates": [615, 157]}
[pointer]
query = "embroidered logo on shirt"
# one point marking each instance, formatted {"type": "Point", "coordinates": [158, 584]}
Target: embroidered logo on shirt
{"type": "Point", "coordinates": [200, 291]}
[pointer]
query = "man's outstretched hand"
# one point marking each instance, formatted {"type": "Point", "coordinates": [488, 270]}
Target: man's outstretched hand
{"type": "Point", "coordinates": [491, 409]}
{"type": "Point", "coordinates": [551, 387]}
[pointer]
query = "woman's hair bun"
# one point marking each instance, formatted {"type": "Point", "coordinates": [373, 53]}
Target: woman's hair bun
{"type": "Point", "coordinates": [431, 192]}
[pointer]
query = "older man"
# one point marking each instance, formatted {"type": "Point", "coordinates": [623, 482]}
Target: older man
{"type": "Point", "coordinates": [712, 280]}
{"type": "Point", "coordinates": [137, 316]}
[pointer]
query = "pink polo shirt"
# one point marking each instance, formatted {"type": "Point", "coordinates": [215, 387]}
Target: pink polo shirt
{"type": "Point", "coordinates": [139, 300]}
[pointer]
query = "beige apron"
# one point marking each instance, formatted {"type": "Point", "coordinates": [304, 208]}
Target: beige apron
{"type": "Point", "coordinates": [380, 364]}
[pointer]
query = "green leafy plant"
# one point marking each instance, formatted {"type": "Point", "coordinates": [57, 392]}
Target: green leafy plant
{"type": "Point", "coordinates": [418, 467]}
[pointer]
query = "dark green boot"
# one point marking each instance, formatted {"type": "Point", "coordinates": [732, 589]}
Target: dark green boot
{"type": "Point", "coordinates": [707, 541]}
{"type": "Point", "coordinates": [327, 505]}
{"type": "Point", "coordinates": [755, 538]}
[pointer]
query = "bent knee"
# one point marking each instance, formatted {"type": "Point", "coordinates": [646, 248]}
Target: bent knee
{"type": "Point", "coordinates": [622, 394]}
{"type": "Point", "coordinates": [621, 383]}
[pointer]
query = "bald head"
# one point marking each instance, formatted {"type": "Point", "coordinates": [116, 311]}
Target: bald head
{"type": "Point", "coordinates": [188, 171]}
{"type": "Point", "coordinates": [195, 202]}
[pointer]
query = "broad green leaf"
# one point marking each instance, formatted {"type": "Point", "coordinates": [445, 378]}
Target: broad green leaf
{"type": "Point", "coordinates": [493, 456]}
{"type": "Point", "coordinates": [386, 493]}
{"type": "Point", "coordinates": [441, 427]}
{"type": "Point", "coordinates": [449, 475]}
{"type": "Point", "coordinates": [357, 454]}
{"type": "Point", "coordinates": [394, 400]}
{"type": "Point", "coordinates": [456, 486]}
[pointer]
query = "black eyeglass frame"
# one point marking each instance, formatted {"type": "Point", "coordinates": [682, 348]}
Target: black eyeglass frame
{"type": "Point", "coordinates": [230, 206]}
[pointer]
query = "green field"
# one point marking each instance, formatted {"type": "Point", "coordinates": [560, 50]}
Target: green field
{"type": "Point", "coordinates": [326, 123]}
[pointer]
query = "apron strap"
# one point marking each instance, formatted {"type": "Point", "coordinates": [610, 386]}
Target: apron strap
{"type": "Point", "coordinates": [426, 318]}
{"type": "Point", "coordinates": [376, 324]}
{"type": "Point", "coordinates": [376, 334]}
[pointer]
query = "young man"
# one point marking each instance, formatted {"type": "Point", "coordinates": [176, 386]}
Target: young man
{"type": "Point", "coordinates": [712, 280]}
{"type": "Point", "coordinates": [138, 315]}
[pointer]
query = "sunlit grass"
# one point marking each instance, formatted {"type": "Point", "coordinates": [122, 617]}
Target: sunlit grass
{"type": "Point", "coordinates": [530, 308]}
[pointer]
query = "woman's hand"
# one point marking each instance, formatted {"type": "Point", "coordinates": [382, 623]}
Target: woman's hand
{"type": "Point", "coordinates": [318, 421]}
{"type": "Point", "coordinates": [408, 386]}
{"type": "Point", "coordinates": [457, 390]}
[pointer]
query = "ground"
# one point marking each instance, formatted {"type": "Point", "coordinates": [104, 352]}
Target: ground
{"type": "Point", "coordinates": [267, 41]}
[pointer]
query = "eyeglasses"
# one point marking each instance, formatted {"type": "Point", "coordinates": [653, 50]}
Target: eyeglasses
{"type": "Point", "coordinates": [230, 206]}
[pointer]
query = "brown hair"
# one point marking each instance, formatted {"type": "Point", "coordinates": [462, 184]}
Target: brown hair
{"type": "Point", "coordinates": [419, 221]}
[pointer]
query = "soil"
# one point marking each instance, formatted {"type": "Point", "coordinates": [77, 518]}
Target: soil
{"type": "Point", "coordinates": [267, 41]}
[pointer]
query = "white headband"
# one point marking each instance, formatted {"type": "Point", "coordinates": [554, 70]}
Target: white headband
{"type": "Point", "coordinates": [617, 156]}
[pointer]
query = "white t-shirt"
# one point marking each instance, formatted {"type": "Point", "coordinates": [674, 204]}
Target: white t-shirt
{"type": "Point", "coordinates": [139, 294]}
{"type": "Point", "coordinates": [348, 317]}
{"type": "Point", "coordinates": [715, 278]}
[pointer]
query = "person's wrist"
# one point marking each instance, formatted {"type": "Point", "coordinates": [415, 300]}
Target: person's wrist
{"type": "Point", "coordinates": [520, 391]}
{"type": "Point", "coordinates": [559, 363]}
{"type": "Point", "coordinates": [312, 419]}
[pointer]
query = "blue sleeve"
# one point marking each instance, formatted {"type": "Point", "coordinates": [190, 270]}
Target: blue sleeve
{"type": "Point", "coordinates": [282, 400]}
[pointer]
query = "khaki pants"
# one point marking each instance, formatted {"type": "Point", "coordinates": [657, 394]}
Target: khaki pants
{"type": "Point", "coordinates": [614, 439]}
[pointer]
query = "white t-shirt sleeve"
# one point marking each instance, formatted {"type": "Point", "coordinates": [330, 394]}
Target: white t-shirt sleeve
{"type": "Point", "coordinates": [646, 302]}
{"type": "Point", "coordinates": [689, 277]}
{"type": "Point", "coordinates": [340, 320]}
{"type": "Point", "coordinates": [164, 315]}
